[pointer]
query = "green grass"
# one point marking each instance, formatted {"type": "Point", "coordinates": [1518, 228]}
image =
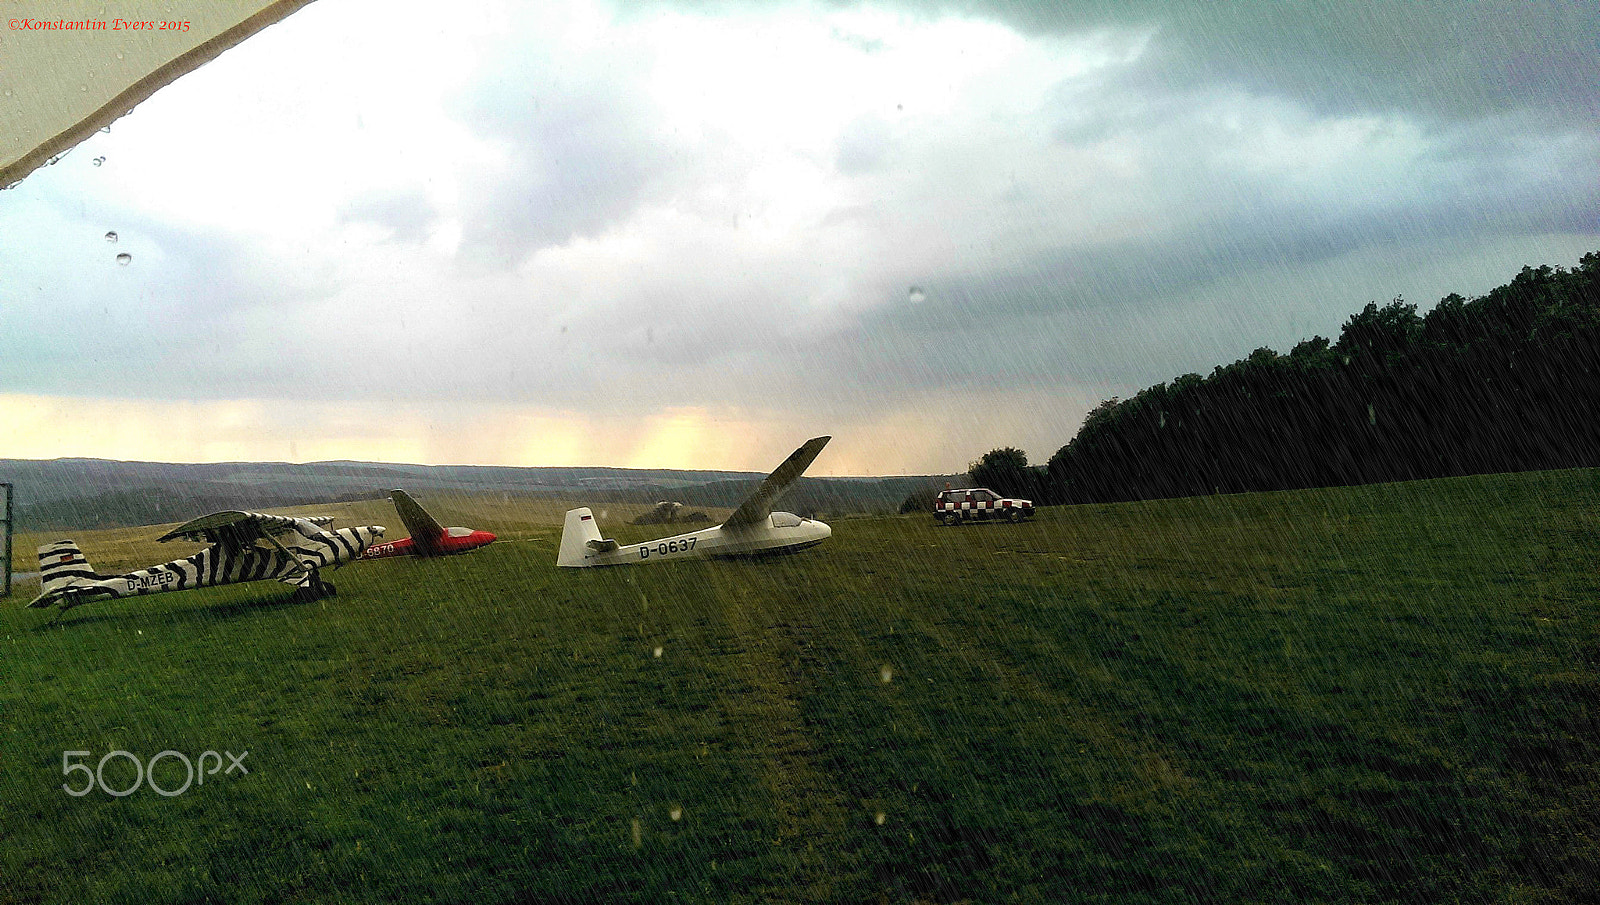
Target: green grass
{"type": "Point", "coordinates": [1369, 694]}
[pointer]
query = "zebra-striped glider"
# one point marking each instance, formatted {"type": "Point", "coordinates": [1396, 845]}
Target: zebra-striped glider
{"type": "Point", "coordinates": [234, 555]}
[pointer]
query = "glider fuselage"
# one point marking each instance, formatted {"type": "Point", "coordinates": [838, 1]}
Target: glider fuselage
{"type": "Point", "coordinates": [761, 539]}
{"type": "Point", "coordinates": [444, 545]}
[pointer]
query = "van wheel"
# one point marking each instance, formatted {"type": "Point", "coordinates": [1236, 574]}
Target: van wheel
{"type": "Point", "coordinates": [951, 519]}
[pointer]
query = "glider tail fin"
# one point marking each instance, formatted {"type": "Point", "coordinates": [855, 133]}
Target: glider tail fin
{"type": "Point", "coordinates": [579, 530]}
{"type": "Point", "coordinates": [425, 529]}
{"type": "Point", "coordinates": [61, 566]}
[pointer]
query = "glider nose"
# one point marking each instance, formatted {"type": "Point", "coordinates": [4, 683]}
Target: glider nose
{"type": "Point", "coordinates": [485, 538]}
{"type": "Point", "coordinates": [826, 531]}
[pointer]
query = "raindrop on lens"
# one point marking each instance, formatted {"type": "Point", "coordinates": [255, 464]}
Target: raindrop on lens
{"type": "Point", "coordinates": [124, 259]}
{"type": "Point", "coordinates": [885, 672]}
{"type": "Point", "coordinates": [675, 814]}
{"type": "Point", "coordinates": [112, 237]}
{"type": "Point", "coordinates": [879, 818]}
{"type": "Point", "coordinates": [916, 295]}
{"type": "Point", "coordinates": [98, 161]}
{"type": "Point", "coordinates": [658, 653]}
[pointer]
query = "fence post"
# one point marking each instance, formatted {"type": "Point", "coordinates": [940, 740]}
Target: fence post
{"type": "Point", "coordinates": [5, 564]}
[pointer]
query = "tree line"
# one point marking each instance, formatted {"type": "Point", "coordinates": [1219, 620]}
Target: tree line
{"type": "Point", "coordinates": [1509, 381]}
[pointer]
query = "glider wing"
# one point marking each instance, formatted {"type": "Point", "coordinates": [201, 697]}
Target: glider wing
{"type": "Point", "coordinates": [758, 505]}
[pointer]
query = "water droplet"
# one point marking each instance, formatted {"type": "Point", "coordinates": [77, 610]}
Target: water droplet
{"type": "Point", "coordinates": [112, 237]}
{"type": "Point", "coordinates": [98, 161]}
{"type": "Point", "coordinates": [119, 54]}
{"type": "Point", "coordinates": [916, 295]}
{"type": "Point", "coordinates": [658, 653]}
{"type": "Point", "coordinates": [676, 813]}
{"type": "Point", "coordinates": [638, 833]}
{"type": "Point", "coordinates": [879, 818]}
{"type": "Point", "coordinates": [885, 672]}
{"type": "Point", "coordinates": [124, 259]}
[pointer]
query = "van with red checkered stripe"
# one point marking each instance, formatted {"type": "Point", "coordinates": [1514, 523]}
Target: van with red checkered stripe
{"type": "Point", "coordinates": [952, 507]}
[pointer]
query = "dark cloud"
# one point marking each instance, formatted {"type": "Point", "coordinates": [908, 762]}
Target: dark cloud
{"type": "Point", "coordinates": [407, 214]}
{"type": "Point", "coordinates": [196, 311]}
{"type": "Point", "coordinates": [1107, 238]}
{"type": "Point", "coordinates": [1452, 60]}
{"type": "Point", "coordinates": [581, 150]}
{"type": "Point", "coordinates": [1257, 231]}
{"type": "Point", "coordinates": [864, 146]}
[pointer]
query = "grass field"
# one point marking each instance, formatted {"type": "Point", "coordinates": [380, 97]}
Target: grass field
{"type": "Point", "coordinates": [1370, 694]}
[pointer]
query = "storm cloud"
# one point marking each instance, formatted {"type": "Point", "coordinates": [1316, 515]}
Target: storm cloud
{"type": "Point", "coordinates": [944, 228]}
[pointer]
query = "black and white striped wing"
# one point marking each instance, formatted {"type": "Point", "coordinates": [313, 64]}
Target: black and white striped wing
{"type": "Point", "coordinates": [233, 533]}
{"type": "Point", "coordinates": [236, 528]}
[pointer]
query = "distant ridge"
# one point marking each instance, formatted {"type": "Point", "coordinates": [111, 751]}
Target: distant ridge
{"type": "Point", "coordinates": [106, 493]}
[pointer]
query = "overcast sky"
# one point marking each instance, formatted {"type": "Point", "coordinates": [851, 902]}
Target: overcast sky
{"type": "Point", "coordinates": [693, 235]}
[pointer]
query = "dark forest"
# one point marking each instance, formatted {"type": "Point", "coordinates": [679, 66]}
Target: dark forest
{"type": "Point", "coordinates": [1509, 381]}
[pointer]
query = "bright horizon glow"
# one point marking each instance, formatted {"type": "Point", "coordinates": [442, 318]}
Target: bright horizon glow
{"type": "Point", "coordinates": [265, 431]}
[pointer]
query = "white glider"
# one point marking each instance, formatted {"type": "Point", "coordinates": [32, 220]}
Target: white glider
{"type": "Point", "coordinates": [752, 530]}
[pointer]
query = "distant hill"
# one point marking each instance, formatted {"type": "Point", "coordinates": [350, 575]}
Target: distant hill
{"type": "Point", "coordinates": [104, 493]}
